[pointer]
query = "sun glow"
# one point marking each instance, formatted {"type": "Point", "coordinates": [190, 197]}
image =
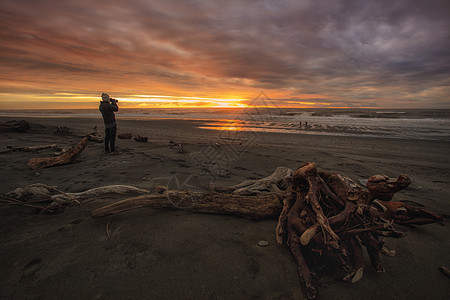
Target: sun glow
{"type": "Point", "coordinates": [86, 101]}
{"type": "Point", "coordinates": [162, 101]}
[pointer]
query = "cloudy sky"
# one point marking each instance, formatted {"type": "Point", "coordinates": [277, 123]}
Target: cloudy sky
{"type": "Point", "coordinates": [330, 53]}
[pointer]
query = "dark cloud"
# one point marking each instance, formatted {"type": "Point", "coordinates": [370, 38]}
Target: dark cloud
{"type": "Point", "coordinates": [336, 52]}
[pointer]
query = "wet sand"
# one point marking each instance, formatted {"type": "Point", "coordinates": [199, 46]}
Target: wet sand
{"type": "Point", "coordinates": [167, 254]}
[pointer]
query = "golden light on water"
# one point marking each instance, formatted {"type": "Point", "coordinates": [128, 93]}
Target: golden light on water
{"type": "Point", "coordinates": [226, 125]}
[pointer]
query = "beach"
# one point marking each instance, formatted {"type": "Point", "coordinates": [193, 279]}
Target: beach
{"type": "Point", "coordinates": [177, 254]}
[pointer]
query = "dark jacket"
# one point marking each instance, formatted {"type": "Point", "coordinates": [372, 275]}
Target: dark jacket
{"type": "Point", "coordinates": [107, 109]}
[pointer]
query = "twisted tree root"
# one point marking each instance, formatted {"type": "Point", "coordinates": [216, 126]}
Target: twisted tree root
{"type": "Point", "coordinates": [331, 215]}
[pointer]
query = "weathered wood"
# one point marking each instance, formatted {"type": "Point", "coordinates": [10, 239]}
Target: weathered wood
{"type": "Point", "coordinates": [330, 215]}
{"type": "Point", "coordinates": [181, 148]}
{"type": "Point", "coordinates": [67, 157]}
{"type": "Point", "coordinates": [278, 183]}
{"type": "Point", "coordinates": [249, 207]}
{"type": "Point", "coordinates": [125, 136]}
{"type": "Point", "coordinates": [382, 187]}
{"type": "Point", "coordinates": [98, 192]}
{"type": "Point", "coordinates": [310, 175]}
{"type": "Point", "coordinates": [405, 214]}
{"type": "Point", "coordinates": [94, 136]}
{"type": "Point", "coordinates": [19, 126]}
{"type": "Point", "coordinates": [30, 148]}
{"type": "Point", "coordinates": [61, 130]}
{"type": "Point", "coordinates": [141, 139]}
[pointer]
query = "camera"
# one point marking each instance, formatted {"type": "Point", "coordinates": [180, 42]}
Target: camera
{"type": "Point", "coordinates": [113, 100]}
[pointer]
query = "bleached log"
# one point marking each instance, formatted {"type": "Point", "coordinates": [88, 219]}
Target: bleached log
{"type": "Point", "coordinates": [278, 182]}
{"type": "Point", "coordinates": [40, 192]}
{"type": "Point", "coordinates": [30, 148]}
{"type": "Point", "coordinates": [249, 207]}
{"type": "Point", "coordinates": [103, 191]}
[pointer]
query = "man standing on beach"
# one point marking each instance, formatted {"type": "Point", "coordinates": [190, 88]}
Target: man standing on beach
{"type": "Point", "coordinates": [107, 107]}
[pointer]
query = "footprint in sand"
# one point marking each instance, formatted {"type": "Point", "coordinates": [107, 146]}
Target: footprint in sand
{"type": "Point", "coordinates": [76, 221]}
{"type": "Point", "coordinates": [32, 267]}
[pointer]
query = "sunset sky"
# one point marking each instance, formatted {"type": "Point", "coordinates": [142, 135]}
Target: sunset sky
{"type": "Point", "coordinates": [149, 53]}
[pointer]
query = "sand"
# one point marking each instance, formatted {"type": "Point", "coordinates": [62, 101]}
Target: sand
{"type": "Point", "coordinates": [176, 254]}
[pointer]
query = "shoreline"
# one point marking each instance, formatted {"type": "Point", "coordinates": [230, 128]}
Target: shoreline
{"type": "Point", "coordinates": [208, 124]}
{"type": "Point", "coordinates": [176, 254]}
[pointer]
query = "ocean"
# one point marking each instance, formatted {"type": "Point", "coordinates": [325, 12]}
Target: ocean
{"type": "Point", "coordinates": [422, 124]}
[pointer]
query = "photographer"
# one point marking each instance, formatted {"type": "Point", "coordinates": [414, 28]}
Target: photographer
{"type": "Point", "coordinates": [107, 107]}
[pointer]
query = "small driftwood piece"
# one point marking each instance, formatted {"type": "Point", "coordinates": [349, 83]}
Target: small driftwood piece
{"type": "Point", "coordinates": [141, 139]}
{"type": "Point", "coordinates": [181, 149]}
{"type": "Point", "coordinates": [19, 126]}
{"type": "Point", "coordinates": [61, 130]}
{"type": "Point", "coordinates": [12, 201]}
{"type": "Point", "coordinates": [125, 136]}
{"type": "Point", "coordinates": [444, 270]}
{"type": "Point", "coordinates": [179, 146]}
{"type": "Point", "coordinates": [94, 136]}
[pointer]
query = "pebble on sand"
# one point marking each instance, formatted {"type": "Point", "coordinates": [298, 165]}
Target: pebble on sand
{"type": "Point", "coordinates": [263, 243]}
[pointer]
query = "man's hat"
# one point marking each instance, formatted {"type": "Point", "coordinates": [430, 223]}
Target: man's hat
{"type": "Point", "coordinates": [105, 97]}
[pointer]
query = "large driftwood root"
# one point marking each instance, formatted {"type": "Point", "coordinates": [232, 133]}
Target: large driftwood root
{"type": "Point", "coordinates": [330, 215]}
{"type": "Point", "coordinates": [321, 215]}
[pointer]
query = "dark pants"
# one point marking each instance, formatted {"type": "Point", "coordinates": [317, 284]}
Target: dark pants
{"type": "Point", "coordinates": [110, 139]}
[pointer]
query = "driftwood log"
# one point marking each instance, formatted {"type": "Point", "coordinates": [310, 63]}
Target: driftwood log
{"type": "Point", "coordinates": [30, 148]}
{"type": "Point", "coordinates": [57, 199]}
{"type": "Point", "coordinates": [249, 207]}
{"type": "Point", "coordinates": [67, 157]}
{"type": "Point", "coordinates": [125, 136]}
